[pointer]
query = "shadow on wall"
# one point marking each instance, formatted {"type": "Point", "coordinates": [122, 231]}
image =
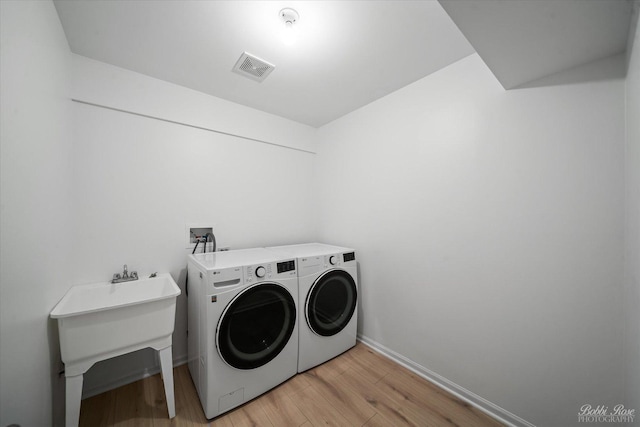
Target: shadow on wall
{"type": "Point", "coordinates": [610, 68]}
{"type": "Point", "coordinates": [57, 377]}
{"type": "Point", "coordinates": [182, 282]}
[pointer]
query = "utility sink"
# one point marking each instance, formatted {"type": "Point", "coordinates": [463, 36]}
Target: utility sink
{"type": "Point", "coordinates": [103, 320]}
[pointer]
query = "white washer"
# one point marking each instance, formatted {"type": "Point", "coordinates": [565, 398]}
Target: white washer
{"type": "Point", "coordinates": [242, 325]}
{"type": "Point", "coordinates": [328, 301]}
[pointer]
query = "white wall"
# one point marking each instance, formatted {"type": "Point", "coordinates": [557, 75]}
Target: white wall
{"type": "Point", "coordinates": [86, 189]}
{"type": "Point", "coordinates": [35, 191]}
{"type": "Point", "coordinates": [99, 83]}
{"type": "Point", "coordinates": [632, 225]}
{"type": "Point", "coordinates": [138, 181]}
{"type": "Point", "coordinates": [489, 231]}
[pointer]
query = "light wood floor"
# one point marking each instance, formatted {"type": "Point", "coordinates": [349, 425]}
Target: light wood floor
{"type": "Point", "coordinates": [358, 388]}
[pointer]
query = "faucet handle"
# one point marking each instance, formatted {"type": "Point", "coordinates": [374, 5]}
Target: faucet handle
{"type": "Point", "coordinates": [134, 275]}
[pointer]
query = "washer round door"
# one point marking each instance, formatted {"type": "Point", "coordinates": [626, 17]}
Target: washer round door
{"type": "Point", "coordinates": [331, 302]}
{"type": "Point", "coordinates": [256, 326]}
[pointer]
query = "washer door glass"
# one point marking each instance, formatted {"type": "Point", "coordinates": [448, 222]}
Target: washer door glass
{"type": "Point", "coordinates": [256, 326]}
{"type": "Point", "coordinates": [331, 302]}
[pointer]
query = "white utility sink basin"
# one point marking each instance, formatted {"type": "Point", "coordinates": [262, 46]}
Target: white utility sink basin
{"type": "Point", "coordinates": [104, 320]}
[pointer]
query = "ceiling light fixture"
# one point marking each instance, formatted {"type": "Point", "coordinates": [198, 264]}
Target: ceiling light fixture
{"type": "Point", "coordinates": [289, 17]}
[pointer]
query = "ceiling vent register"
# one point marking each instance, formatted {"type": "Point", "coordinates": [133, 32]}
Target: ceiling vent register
{"type": "Point", "coordinates": [253, 67]}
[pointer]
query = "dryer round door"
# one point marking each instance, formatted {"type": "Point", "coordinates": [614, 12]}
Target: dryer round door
{"type": "Point", "coordinates": [256, 326]}
{"type": "Point", "coordinates": [331, 302]}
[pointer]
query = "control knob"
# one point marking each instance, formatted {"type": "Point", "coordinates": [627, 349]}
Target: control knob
{"type": "Point", "coordinates": [260, 272]}
{"type": "Point", "coordinates": [333, 260]}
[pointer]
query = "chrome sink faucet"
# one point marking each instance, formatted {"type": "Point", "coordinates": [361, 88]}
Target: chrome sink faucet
{"type": "Point", "coordinates": [125, 276]}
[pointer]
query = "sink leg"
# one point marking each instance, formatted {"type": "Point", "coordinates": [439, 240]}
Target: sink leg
{"type": "Point", "coordinates": [166, 363]}
{"type": "Point", "coordinates": [73, 399]}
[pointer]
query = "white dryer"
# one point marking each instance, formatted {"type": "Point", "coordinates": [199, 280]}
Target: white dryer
{"type": "Point", "coordinates": [328, 301]}
{"type": "Point", "coordinates": [242, 325]}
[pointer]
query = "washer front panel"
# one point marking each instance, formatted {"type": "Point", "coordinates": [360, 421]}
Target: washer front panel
{"type": "Point", "coordinates": [331, 302]}
{"type": "Point", "coordinates": [256, 325]}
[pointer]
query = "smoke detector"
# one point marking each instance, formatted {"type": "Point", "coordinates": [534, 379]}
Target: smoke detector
{"type": "Point", "coordinates": [253, 67]}
{"type": "Point", "coordinates": [289, 17]}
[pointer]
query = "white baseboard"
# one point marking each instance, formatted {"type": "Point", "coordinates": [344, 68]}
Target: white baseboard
{"type": "Point", "coordinates": [128, 378]}
{"type": "Point", "coordinates": [462, 393]}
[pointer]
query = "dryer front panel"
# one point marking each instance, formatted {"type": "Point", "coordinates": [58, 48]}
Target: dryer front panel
{"type": "Point", "coordinates": [256, 325]}
{"type": "Point", "coordinates": [331, 302]}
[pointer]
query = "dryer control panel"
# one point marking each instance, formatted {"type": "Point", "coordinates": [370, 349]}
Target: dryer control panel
{"type": "Point", "coordinates": [313, 264]}
{"type": "Point", "coordinates": [269, 270]}
{"type": "Point", "coordinates": [338, 259]}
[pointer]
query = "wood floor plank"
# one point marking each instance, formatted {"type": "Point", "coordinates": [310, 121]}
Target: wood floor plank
{"type": "Point", "coordinates": [250, 415]}
{"type": "Point", "coordinates": [128, 411]}
{"type": "Point", "coordinates": [222, 421]}
{"type": "Point", "coordinates": [154, 398]}
{"type": "Point", "coordinates": [377, 421]}
{"type": "Point", "coordinates": [188, 407]}
{"type": "Point", "coordinates": [280, 408]}
{"type": "Point", "coordinates": [145, 410]}
{"type": "Point", "coordinates": [422, 410]}
{"type": "Point", "coordinates": [383, 404]}
{"type": "Point", "coordinates": [368, 362]}
{"type": "Point", "coordinates": [331, 368]}
{"type": "Point", "coordinates": [427, 398]}
{"type": "Point", "coordinates": [294, 384]}
{"type": "Point", "coordinates": [98, 411]}
{"type": "Point", "coordinates": [347, 402]}
{"type": "Point", "coordinates": [318, 411]}
{"type": "Point", "coordinates": [184, 407]}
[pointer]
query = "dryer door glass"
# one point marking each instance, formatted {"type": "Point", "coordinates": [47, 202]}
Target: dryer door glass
{"type": "Point", "coordinates": [331, 302]}
{"type": "Point", "coordinates": [256, 326]}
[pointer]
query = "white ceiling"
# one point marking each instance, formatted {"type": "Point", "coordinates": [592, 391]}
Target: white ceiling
{"type": "Point", "coordinates": [525, 40]}
{"type": "Point", "coordinates": [347, 53]}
